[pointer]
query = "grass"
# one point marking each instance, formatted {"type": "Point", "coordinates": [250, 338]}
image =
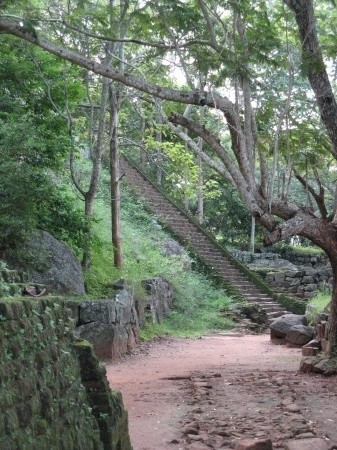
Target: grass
{"type": "Point", "coordinates": [197, 301]}
{"type": "Point", "coordinates": [307, 250]}
{"type": "Point", "coordinates": [318, 304]}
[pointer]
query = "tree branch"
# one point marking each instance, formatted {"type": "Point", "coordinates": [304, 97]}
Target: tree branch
{"type": "Point", "coordinates": [319, 198]}
{"type": "Point", "coordinates": [212, 100]}
{"type": "Point", "coordinates": [248, 193]}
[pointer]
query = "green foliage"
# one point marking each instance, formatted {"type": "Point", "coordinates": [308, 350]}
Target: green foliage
{"type": "Point", "coordinates": [34, 141]}
{"type": "Point", "coordinates": [318, 304]}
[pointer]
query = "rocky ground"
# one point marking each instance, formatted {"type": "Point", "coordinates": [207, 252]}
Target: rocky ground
{"type": "Point", "coordinates": [215, 392]}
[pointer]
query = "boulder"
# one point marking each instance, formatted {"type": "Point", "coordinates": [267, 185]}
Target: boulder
{"type": "Point", "coordinates": [280, 326]}
{"type": "Point", "coordinates": [97, 311]}
{"type": "Point", "coordinates": [51, 263]}
{"type": "Point", "coordinates": [299, 334]}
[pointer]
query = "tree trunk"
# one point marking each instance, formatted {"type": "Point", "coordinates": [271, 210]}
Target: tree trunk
{"type": "Point", "coordinates": [96, 158]}
{"type": "Point", "coordinates": [333, 312]}
{"type": "Point", "coordinates": [116, 233]}
{"type": "Point", "coordinates": [88, 211]}
{"type": "Point", "coordinates": [252, 235]}
{"type": "Point", "coordinates": [200, 193]}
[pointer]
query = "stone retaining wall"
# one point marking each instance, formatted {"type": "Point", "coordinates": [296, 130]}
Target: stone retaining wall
{"type": "Point", "coordinates": [302, 283]}
{"type": "Point", "coordinates": [53, 394]}
{"type": "Point", "coordinates": [278, 273]}
{"type": "Point", "coordinates": [304, 259]}
{"type": "Point", "coordinates": [296, 258]}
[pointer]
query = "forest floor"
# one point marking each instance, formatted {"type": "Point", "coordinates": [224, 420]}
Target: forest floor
{"type": "Point", "coordinates": [198, 394]}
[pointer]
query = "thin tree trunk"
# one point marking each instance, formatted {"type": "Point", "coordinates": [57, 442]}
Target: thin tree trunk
{"type": "Point", "coordinates": [200, 192]}
{"type": "Point", "coordinates": [116, 232]}
{"type": "Point", "coordinates": [333, 313]}
{"type": "Point", "coordinates": [252, 236]}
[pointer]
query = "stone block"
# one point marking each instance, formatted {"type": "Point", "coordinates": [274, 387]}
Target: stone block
{"type": "Point", "coordinates": [100, 335]}
{"type": "Point", "coordinates": [310, 287]}
{"type": "Point", "coordinates": [291, 274]}
{"type": "Point", "coordinates": [307, 444]}
{"type": "Point", "coordinates": [309, 351]}
{"type": "Point", "coordinates": [97, 311]}
{"type": "Point", "coordinates": [270, 277]}
{"type": "Point", "coordinates": [279, 277]}
{"type": "Point", "coordinates": [325, 345]}
{"type": "Point", "coordinates": [254, 444]}
{"type": "Point", "coordinates": [306, 364]}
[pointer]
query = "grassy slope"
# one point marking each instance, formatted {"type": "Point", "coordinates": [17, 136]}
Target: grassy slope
{"type": "Point", "coordinates": [198, 301]}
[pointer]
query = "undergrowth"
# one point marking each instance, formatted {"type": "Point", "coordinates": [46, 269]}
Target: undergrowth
{"type": "Point", "coordinates": [318, 304]}
{"type": "Point", "coordinates": [197, 301]}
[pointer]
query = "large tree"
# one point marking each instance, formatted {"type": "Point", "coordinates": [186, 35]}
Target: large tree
{"type": "Point", "coordinates": [237, 49]}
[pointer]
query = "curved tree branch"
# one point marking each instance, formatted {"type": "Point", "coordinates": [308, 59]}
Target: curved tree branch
{"type": "Point", "coordinates": [319, 198]}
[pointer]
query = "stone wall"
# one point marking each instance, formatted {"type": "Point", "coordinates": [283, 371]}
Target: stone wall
{"type": "Point", "coordinates": [302, 283]}
{"type": "Point", "coordinates": [53, 394]}
{"type": "Point", "coordinates": [297, 258]}
{"type": "Point", "coordinates": [301, 275]}
{"type": "Point", "coordinates": [304, 259]}
{"type": "Point", "coordinates": [249, 257]}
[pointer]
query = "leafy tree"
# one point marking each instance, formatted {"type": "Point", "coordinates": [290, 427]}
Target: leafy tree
{"type": "Point", "coordinates": [33, 142]}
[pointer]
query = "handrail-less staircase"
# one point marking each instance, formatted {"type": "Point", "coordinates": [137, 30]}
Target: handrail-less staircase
{"type": "Point", "coordinates": [232, 273]}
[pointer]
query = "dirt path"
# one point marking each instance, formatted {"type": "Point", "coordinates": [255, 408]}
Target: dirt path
{"type": "Point", "coordinates": [211, 392]}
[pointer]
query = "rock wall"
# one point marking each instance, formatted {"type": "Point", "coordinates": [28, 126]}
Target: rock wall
{"type": "Point", "coordinates": [297, 258]}
{"type": "Point", "coordinates": [53, 393]}
{"type": "Point", "coordinates": [302, 283]}
{"type": "Point", "coordinates": [313, 274]}
{"type": "Point", "coordinates": [304, 259]}
{"type": "Point", "coordinates": [112, 325]}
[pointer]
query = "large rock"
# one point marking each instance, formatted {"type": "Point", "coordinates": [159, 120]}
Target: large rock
{"type": "Point", "coordinates": [299, 334]}
{"type": "Point", "coordinates": [280, 326]}
{"type": "Point", "coordinates": [52, 263]}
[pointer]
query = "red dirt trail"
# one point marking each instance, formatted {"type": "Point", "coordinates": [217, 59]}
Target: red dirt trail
{"type": "Point", "coordinates": [211, 392]}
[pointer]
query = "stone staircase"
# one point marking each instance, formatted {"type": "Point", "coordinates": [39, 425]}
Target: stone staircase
{"type": "Point", "coordinates": [235, 277]}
